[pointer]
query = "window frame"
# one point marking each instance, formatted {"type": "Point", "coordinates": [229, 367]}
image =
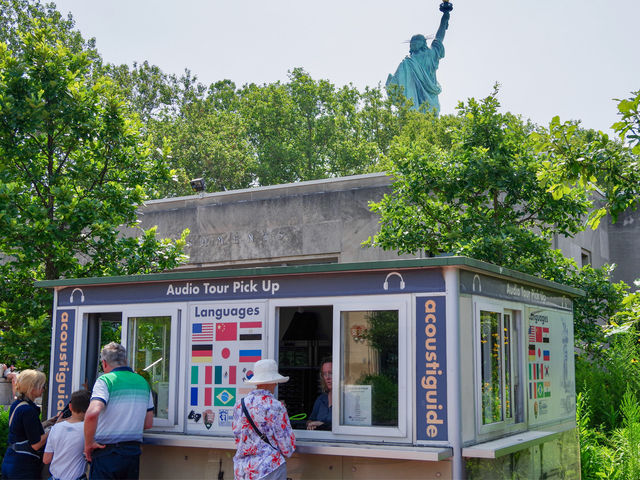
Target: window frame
{"type": "Point", "coordinates": [177, 312]}
{"type": "Point", "coordinates": [401, 302]}
{"type": "Point", "coordinates": [518, 364]}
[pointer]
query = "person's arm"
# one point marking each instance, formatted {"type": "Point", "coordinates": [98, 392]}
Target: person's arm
{"type": "Point", "coordinates": [38, 445]}
{"type": "Point", "coordinates": [46, 459]}
{"type": "Point", "coordinates": [90, 426]}
{"type": "Point", "coordinates": [148, 420]}
{"type": "Point", "coordinates": [313, 422]}
{"type": "Point", "coordinates": [283, 434]}
{"type": "Point", "coordinates": [35, 434]}
{"type": "Point", "coordinates": [444, 24]}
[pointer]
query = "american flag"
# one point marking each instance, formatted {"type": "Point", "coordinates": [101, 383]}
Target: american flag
{"type": "Point", "coordinates": [532, 334]}
{"type": "Point", "coordinates": [202, 332]}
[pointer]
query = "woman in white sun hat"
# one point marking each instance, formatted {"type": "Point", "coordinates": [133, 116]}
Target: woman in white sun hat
{"type": "Point", "coordinates": [264, 439]}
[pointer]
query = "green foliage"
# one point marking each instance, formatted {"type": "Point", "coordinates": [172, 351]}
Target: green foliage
{"type": "Point", "coordinates": [626, 440]}
{"type": "Point", "coordinates": [307, 129]}
{"type": "Point", "coordinates": [24, 345]}
{"type": "Point", "coordinates": [74, 170]}
{"type": "Point", "coordinates": [302, 129]}
{"type": "Point", "coordinates": [603, 300]}
{"type": "Point", "coordinates": [596, 458]}
{"type": "Point", "coordinates": [605, 379]}
{"type": "Point", "coordinates": [628, 316]}
{"type": "Point", "coordinates": [384, 399]}
{"type": "Point", "coordinates": [628, 128]}
{"type": "Point", "coordinates": [473, 191]}
{"type": "Point", "coordinates": [614, 455]}
{"type": "Point", "coordinates": [4, 430]}
{"type": "Point", "coordinates": [589, 160]}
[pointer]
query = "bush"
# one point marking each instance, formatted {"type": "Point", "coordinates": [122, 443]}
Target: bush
{"type": "Point", "coordinates": [608, 414]}
{"type": "Point", "coordinates": [384, 398]}
{"type": "Point", "coordinates": [604, 379]}
{"type": "Point", "coordinates": [4, 431]}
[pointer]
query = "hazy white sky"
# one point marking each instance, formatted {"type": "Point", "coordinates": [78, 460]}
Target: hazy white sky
{"type": "Point", "coordinates": [552, 57]}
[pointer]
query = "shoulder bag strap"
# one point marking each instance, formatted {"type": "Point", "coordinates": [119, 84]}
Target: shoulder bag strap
{"type": "Point", "coordinates": [253, 425]}
{"type": "Point", "coordinates": [14, 411]}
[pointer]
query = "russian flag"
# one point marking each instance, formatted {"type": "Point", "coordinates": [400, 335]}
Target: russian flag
{"type": "Point", "coordinates": [249, 355]}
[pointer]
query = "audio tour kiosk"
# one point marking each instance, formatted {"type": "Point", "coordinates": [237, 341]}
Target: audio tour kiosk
{"type": "Point", "coordinates": [444, 367]}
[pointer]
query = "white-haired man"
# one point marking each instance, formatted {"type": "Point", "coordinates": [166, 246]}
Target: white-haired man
{"type": "Point", "coordinates": [121, 408]}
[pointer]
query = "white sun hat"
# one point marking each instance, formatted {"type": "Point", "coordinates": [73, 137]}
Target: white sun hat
{"type": "Point", "coordinates": [266, 371]}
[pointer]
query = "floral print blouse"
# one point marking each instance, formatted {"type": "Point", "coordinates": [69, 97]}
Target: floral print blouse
{"type": "Point", "coordinates": [254, 458]}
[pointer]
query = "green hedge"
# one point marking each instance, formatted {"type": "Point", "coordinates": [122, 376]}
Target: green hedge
{"type": "Point", "coordinates": [4, 430]}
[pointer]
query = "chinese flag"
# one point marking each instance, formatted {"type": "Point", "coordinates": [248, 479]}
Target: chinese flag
{"type": "Point", "coordinates": [226, 332]}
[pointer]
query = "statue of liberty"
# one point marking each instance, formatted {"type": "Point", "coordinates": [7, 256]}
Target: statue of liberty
{"type": "Point", "coordinates": [417, 72]}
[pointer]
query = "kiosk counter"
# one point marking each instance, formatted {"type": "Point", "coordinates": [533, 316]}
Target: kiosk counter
{"type": "Point", "coordinates": [444, 367]}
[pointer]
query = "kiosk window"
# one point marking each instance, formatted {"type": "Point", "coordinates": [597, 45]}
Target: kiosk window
{"type": "Point", "coordinates": [100, 329]}
{"type": "Point", "coordinates": [149, 341]}
{"type": "Point", "coordinates": [499, 363]}
{"type": "Point", "coordinates": [369, 368]}
{"type": "Point", "coordinates": [304, 343]}
{"type": "Point", "coordinates": [491, 355]}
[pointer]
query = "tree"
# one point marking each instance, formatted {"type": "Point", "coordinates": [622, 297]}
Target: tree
{"type": "Point", "coordinates": [307, 129]}
{"type": "Point", "coordinates": [467, 186]}
{"type": "Point", "coordinates": [74, 169]}
{"type": "Point", "coordinates": [593, 161]}
{"type": "Point", "coordinates": [302, 129]}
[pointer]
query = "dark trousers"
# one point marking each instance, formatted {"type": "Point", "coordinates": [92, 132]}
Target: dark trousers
{"type": "Point", "coordinates": [20, 466]}
{"type": "Point", "coordinates": [119, 461]}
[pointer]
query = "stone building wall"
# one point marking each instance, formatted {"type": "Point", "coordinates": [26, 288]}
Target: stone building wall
{"type": "Point", "coordinates": [327, 221]}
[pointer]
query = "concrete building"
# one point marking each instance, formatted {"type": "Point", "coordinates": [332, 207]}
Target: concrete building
{"type": "Point", "coordinates": [326, 221]}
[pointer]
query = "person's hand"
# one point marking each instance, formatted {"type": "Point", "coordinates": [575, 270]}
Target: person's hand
{"type": "Point", "coordinates": [313, 424]}
{"type": "Point", "coordinates": [52, 421]}
{"type": "Point", "coordinates": [59, 417]}
{"type": "Point", "coordinates": [89, 448]}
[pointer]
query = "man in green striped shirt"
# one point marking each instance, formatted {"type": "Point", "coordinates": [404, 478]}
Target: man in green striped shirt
{"type": "Point", "coordinates": [121, 408]}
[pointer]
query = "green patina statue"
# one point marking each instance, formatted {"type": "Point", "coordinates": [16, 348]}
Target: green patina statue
{"type": "Point", "coordinates": [417, 72]}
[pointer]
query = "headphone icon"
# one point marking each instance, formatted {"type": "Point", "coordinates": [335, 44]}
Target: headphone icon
{"type": "Point", "coordinates": [81, 295]}
{"type": "Point", "coordinates": [385, 285]}
{"type": "Point", "coordinates": [473, 284]}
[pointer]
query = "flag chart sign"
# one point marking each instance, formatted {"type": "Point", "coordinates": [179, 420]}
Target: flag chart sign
{"type": "Point", "coordinates": [539, 365]}
{"type": "Point", "coordinates": [226, 339]}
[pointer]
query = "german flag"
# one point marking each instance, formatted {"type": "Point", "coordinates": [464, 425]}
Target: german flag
{"type": "Point", "coordinates": [201, 353]}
